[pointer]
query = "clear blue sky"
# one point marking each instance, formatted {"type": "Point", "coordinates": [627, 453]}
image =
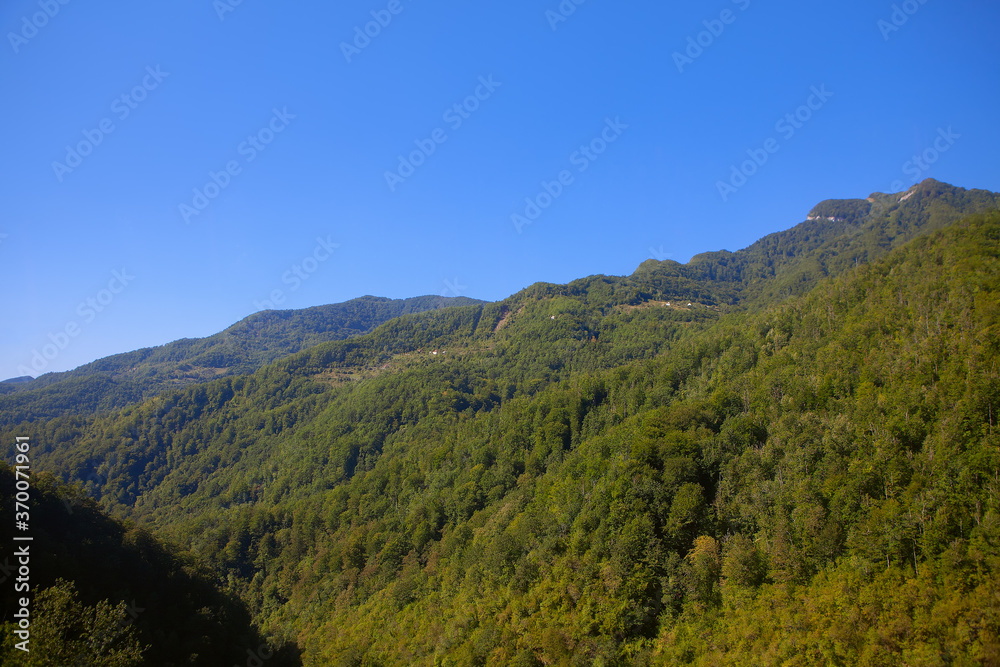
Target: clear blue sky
{"type": "Point", "coordinates": [199, 80]}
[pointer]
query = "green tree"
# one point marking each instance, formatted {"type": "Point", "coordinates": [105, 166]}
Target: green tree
{"type": "Point", "coordinates": [65, 633]}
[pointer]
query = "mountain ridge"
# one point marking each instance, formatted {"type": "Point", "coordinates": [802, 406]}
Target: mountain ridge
{"type": "Point", "coordinates": [598, 473]}
{"type": "Point", "coordinates": [614, 511]}
{"type": "Point", "coordinates": [245, 346]}
{"type": "Point", "coordinates": [841, 232]}
{"type": "Point", "coordinates": [778, 266]}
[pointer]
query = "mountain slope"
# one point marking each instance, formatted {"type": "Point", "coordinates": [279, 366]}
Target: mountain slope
{"type": "Point", "coordinates": [585, 475]}
{"type": "Point", "coordinates": [838, 235]}
{"type": "Point", "coordinates": [116, 381]}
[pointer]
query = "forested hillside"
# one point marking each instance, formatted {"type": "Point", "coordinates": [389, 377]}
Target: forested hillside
{"type": "Point", "coordinates": [838, 235]}
{"type": "Point", "coordinates": [780, 456]}
{"type": "Point", "coordinates": [122, 379]}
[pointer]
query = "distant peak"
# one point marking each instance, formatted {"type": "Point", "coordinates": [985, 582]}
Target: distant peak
{"type": "Point", "coordinates": [926, 185]}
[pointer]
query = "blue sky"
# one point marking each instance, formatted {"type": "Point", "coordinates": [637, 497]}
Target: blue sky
{"type": "Point", "coordinates": [276, 124]}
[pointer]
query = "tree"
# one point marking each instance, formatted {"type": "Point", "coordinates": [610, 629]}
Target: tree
{"type": "Point", "coordinates": [65, 633]}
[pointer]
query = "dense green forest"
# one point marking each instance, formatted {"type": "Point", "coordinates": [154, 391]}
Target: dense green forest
{"type": "Point", "coordinates": [780, 456]}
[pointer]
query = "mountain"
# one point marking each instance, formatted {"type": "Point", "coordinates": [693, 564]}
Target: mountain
{"type": "Point", "coordinates": [837, 235]}
{"type": "Point", "coordinates": [781, 455]}
{"type": "Point", "coordinates": [117, 381]}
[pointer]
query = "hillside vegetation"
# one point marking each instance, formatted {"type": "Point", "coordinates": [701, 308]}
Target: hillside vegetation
{"type": "Point", "coordinates": [122, 379]}
{"type": "Point", "coordinates": [798, 468]}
